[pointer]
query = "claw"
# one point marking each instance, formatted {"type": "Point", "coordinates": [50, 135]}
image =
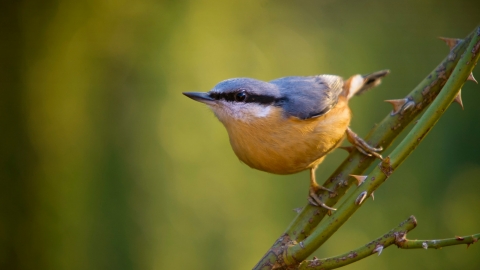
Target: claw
{"type": "Point", "coordinates": [363, 151]}
{"type": "Point", "coordinates": [315, 201]}
{"type": "Point", "coordinates": [314, 188]}
{"type": "Point", "coordinates": [363, 146]}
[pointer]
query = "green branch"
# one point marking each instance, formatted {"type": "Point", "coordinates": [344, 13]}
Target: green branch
{"type": "Point", "coordinates": [298, 252]}
{"type": "Point", "coordinates": [383, 134]}
{"type": "Point", "coordinates": [426, 244]}
{"type": "Point", "coordinates": [396, 236]}
{"type": "Point", "coordinates": [374, 247]}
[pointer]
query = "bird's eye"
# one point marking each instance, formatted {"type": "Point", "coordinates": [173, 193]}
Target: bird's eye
{"type": "Point", "coordinates": [240, 96]}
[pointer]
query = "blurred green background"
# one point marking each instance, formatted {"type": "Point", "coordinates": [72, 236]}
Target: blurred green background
{"type": "Point", "coordinates": [105, 164]}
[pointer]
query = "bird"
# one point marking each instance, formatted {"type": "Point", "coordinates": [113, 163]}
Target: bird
{"type": "Point", "coordinates": [290, 124]}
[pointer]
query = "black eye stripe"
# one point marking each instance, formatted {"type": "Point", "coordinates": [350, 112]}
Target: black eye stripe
{"type": "Point", "coordinates": [249, 98]}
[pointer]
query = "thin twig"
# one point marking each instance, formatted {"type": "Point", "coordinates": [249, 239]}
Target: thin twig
{"type": "Point", "coordinates": [439, 243]}
{"type": "Point", "coordinates": [374, 247]}
{"type": "Point", "coordinates": [397, 236]}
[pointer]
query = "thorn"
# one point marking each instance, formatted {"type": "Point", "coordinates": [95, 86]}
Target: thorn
{"type": "Point", "coordinates": [360, 198]}
{"type": "Point", "coordinates": [349, 149]}
{"type": "Point", "coordinates": [471, 78]}
{"type": "Point", "coordinates": [473, 242]}
{"type": "Point", "coordinates": [360, 178]}
{"type": "Point", "coordinates": [298, 210]}
{"type": "Point", "coordinates": [451, 42]}
{"type": "Point", "coordinates": [400, 105]}
{"type": "Point", "coordinates": [373, 196]}
{"type": "Point", "coordinates": [378, 249]}
{"type": "Point", "coordinates": [301, 244]}
{"type": "Point", "coordinates": [400, 238]}
{"type": "Point", "coordinates": [458, 98]}
{"type": "Point", "coordinates": [425, 245]}
{"type": "Point", "coordinates": [459, 238]}
{"type": "Point", "coordinates": [397, 104]}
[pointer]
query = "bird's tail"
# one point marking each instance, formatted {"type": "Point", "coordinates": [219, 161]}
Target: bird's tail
{"type": "Point", "coordinates": [358, 84]}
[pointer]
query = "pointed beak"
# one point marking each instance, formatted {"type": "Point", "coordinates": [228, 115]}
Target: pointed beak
{"type": "Point", "coordinates": [200, 97]}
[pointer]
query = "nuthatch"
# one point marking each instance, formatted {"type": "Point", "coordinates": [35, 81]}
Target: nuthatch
{"type": "Point", "coordinates": [289, 124]}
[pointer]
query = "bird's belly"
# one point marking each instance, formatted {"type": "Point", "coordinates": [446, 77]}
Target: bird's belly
{"type": "Point", "coordinates": [287, 158]}
{"type": "Point", "coordinates": [292, 146]}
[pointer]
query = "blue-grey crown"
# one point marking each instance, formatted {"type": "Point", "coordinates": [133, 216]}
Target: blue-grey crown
{"type": "Point", "coordinates": [246, 90]}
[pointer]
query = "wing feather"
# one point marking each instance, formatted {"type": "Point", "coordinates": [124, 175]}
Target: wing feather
{"type": "Point", "coordinates": [309, 97]}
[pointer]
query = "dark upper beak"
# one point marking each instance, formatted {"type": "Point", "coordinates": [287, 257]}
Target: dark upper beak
{"type": "Point", "coordinates": [200, 96]}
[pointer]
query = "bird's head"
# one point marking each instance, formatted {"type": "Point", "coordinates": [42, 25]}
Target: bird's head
{"type": "Point", "coordinates": [240, 99]}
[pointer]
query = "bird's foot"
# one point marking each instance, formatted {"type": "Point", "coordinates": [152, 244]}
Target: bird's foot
{"type": "Point", "coordinates": [315, 200]}
{"type": "Point", "coordinates": [362, 145]}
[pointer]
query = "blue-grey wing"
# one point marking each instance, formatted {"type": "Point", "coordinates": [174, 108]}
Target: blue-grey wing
{"type": "Point", "coordinates": [308, 97]}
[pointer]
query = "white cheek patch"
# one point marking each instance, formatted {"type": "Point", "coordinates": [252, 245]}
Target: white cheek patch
{"type": "Point", "coordinates": [262, 111]}
{"type": "Point", "coordinates": [245, 112]}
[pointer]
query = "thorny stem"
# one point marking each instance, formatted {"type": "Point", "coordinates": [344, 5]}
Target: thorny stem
{"type": "Point", "coordinates": [298, 252]}
{"type": "Point", "coordinates": [396, 236]}
{"type": "Point", "coordinates": [374, 247]}
{"type": "Point", "coordinates": [383, 134]}
{"type": "Point", "coordinates": [426, 244]}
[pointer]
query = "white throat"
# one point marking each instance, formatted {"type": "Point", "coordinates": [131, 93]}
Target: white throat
{"type": "Point", "coordinates": [245, 112]}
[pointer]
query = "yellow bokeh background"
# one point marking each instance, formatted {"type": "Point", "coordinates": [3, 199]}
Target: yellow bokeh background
{"type": "Point", "coordinates": [106, 165]}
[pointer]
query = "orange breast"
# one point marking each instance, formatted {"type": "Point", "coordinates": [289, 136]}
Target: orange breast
{"type": "Point", "coordinates": [281, 145]}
